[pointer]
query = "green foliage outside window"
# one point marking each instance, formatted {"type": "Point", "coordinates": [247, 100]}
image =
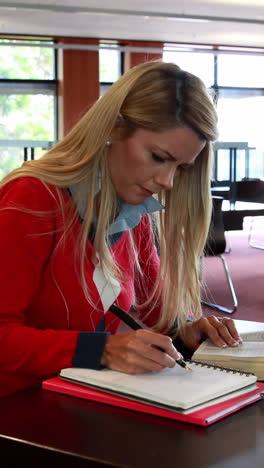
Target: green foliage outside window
{"type": "Point", "coordinates": [109, 65]}
{"type": "Point", "coordinates": [26, 110]}
{"type": "Point", "coordinates": [36, 63]}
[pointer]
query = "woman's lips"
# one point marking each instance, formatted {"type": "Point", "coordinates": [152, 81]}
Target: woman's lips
{"type": "Point", "coordinates": [147, 192]}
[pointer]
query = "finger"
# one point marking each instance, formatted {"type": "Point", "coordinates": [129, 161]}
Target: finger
{"type": "Point", "coordinates": [226, 329]}
{"type": "Point", "coordinates": [230, 324]}
{"type": "Point", "coordinates": [146, 349]}
{"type": "Point", "coordinates": [128, 353]}
{"type": "Point", "coordinates": [122, 353]}
{"type": "Point", "coordinates": [221, 328]}
{"type": "Point", "coordinates": [209, 330]}
{"type": "Point", "coordinates": [140, 357]}
{"type": "Point", "coordinates": [162, 342]}
{"type": "Point", "coordinates": [136, 366]}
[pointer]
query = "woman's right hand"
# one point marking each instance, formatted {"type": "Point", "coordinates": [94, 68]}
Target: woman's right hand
{"type": "Point", "coordinates": [137, 352]}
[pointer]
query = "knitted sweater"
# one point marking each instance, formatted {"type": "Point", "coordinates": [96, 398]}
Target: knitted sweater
{"type": "Point", "coordinates": [46, 323]}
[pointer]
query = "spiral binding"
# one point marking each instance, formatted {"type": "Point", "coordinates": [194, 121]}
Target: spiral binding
{"type": "Point", "coordinates": [222, 368]}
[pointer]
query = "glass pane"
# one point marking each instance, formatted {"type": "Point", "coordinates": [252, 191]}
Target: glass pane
{"type": "Point", "coordinates": [11, 158]}
{"type": "Point", "coordinates": [104, 88]}
{"type": "Point", "coordinates": [222, 165]}
{"type": "Point", "coordinates": [241, 118]}
{"type": "Point", "coordinates": [256, 164]}
{"type": "Point", "coordinates": [27, 117]}
{"type": "Point", "coordinates": [18, 62]}
{"type": "Point", "coordinates": [240, 165]}
{"type": "Point", "coordinates": [199, 64]}
{"type": "Point", "coordinates": [240, 70]}
{"type": "Point", "coordinates": [110, 65]}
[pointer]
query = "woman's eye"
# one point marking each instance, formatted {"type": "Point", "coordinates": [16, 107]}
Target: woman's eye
{"type": "Point", "coordinates": [158, 158]}
{"type": "Point", "coordinates": [183, 167]}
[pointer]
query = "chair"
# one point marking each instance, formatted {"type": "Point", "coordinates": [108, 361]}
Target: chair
{"type": "Point", "coordinates": [216, 246]}
{"type": "Point", "coordinates": [251, 190]}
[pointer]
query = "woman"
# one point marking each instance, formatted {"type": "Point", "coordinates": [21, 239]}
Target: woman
{"type": "Point", "coordinates": [76, 235]}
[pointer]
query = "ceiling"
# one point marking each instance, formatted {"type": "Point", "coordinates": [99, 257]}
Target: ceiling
{"type": "Point", "coordinates": [223, 22]}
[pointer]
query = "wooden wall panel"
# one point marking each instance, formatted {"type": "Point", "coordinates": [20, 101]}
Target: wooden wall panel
{"type": "Point", "coordinates": [131, 59]}
{"type": "Point", "coordinates": [78, 77]}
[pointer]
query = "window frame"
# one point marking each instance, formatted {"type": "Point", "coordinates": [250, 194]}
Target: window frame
{"type": "Point", "coordinates": [33, 86]}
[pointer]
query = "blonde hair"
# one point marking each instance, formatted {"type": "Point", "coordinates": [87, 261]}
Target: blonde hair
{"type": "Point", "coordinates": [155, 96]}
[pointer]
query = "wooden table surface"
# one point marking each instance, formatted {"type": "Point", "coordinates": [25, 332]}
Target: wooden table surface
{"type": "Point", "coordinates": [39, 428]}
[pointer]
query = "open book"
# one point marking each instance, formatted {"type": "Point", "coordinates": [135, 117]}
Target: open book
{"type": "Point", "coordinates": [175, 389]}
{"type": "Point", "coordinates": [248, 356]}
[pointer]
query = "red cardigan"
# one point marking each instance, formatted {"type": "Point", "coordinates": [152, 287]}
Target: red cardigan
{"type": "Point", "coordinates": [42, 306]}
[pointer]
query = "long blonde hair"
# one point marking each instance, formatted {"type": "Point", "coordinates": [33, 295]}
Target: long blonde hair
{"type": "Point", "coordinates": [155, 96]}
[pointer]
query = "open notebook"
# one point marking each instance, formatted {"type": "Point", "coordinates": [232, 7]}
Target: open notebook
{"type": "Point", "coordinates": [174, 389]}
{"type": "Point", "coordinates": [201, 415]}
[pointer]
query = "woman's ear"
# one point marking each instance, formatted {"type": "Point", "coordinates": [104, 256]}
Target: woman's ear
{"type": "Point", "coordinates": [120, 129]}
{"type": "Point", "coordinates": [120, 120]}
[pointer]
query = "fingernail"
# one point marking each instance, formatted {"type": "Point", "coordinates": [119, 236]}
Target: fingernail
{"type": "Point", "coordinates": [235, 343]}
{"type": "Point", "coordinates": [177, 356]}
{"type": "Point", "coordinates": [224, 345]}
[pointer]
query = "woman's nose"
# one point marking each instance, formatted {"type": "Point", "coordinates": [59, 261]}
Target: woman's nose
{"type": "Point", "coordinates": [165, 178]}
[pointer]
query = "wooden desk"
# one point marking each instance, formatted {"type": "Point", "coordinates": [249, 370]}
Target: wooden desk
{"type": "Point", "coordinates": [42, 429]}
{"type": "Point", "coordinates": [234, 213]}
{"type": "Point", "coordinates": [221, 191]}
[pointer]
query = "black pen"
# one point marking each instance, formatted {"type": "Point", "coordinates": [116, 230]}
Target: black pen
{"type": "Point", "coordinates": [134, 325]}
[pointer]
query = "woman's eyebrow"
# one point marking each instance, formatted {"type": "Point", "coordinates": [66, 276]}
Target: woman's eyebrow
{"type": "Point", "coordinates": [174, 158]}
{"type": "Point", "coordinates": [171, 156]}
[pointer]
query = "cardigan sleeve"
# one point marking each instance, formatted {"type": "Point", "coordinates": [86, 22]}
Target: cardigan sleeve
{"type": "Point", "coordinates": [26, 243]}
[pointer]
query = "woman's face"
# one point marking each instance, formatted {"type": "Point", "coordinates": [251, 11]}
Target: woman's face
{"type": "Point", "coordinates": [148, 162]}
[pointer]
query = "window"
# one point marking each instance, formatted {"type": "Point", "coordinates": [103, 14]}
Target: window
{"type": "Point", "coordinates": [27, 100]}
{"type": "Point", "coordinates": [237, 79]}
{"type": "Point", "coordinates": [200, 64]}
{"type": "Point", "coordinates": [241, 110]}
{"type": "Point", "coordinates": [109, 66]}
{"type": "Point", "coordinates": [240, 70]}
{"type": "Point", "coordinates": [241, 116]}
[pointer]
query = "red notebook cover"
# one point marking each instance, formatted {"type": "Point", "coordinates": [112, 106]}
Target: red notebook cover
{"type": "Point", "coordinates": [202, 417]}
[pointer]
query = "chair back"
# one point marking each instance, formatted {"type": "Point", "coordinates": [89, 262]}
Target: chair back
{"type": "Point", "coordinates": [250, 190]}
{"type": "Point", "coordinates": [216, 241]}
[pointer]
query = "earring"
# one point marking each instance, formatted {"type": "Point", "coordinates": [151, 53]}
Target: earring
{"type": "Point", "coordinates": [108, 143]}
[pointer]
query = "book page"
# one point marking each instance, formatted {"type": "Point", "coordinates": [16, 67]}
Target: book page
{"type": "Point", "coordinates": [246, 350]}
{"type": "Point", "coordinates": [176, 387]}
{"type": "Point", "coordinates": [253, 336]}
{"type": "Point", "coordinates": [246, 327]}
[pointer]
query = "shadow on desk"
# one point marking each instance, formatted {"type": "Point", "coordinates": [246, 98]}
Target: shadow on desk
{"type": "Point", "coordinates": [43, 428]}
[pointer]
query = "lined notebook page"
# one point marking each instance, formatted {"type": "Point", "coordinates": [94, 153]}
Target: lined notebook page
{"type": "Point", "coordinates": [175, 388]}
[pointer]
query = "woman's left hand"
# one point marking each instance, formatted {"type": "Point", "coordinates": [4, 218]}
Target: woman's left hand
{"type": "Point", "coordinates": [221, 331]}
